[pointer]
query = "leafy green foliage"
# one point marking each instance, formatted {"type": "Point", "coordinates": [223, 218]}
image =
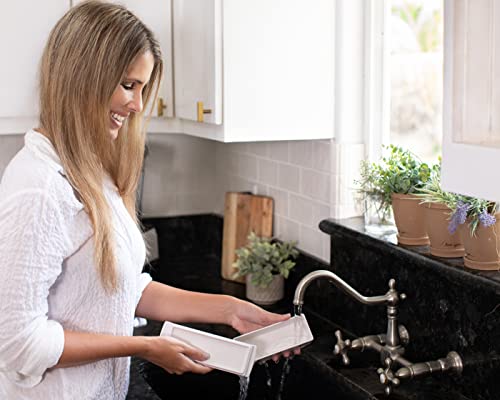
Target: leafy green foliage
{"type": "Point", "coordinates": [400, 171]}
{"type": "Point", "coordinates": [264, 257]}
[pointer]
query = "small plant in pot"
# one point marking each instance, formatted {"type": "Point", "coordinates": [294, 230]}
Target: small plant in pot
{"type": "Point", "coordinates": [478, 223]}
{"type": "Point", "coordinates": [377, 210]}
{"type": "Point", "coordinates": [265, 263]}
{"type": "Point", "coordinates": [397, 177]}
{"type": "Point", "coordinates": [438, 205]}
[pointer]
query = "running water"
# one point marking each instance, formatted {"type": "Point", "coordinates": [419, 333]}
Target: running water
{"type": "Point", "coordinates": [269, 380]}
{"type": "Point", "coordinates": [244, 381]}
{"type": "Point", "coordinates": [284, 372]}
{"type": "Point", "coordinates": [297, 309]}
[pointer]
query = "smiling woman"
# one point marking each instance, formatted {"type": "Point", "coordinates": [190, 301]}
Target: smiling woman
{"type": "Point", "coordinates": [127, 97]}
{"type": "Point", "coordinates": [71, 249]}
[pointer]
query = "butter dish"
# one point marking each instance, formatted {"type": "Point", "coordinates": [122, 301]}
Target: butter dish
{"type": "Point", "coordinates": [228, 355]}
{"type": "Point", "coordinates": [279, 337]}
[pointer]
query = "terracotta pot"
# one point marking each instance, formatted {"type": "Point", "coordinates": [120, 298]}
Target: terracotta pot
{"type": "Point", "coordinates": [409, 218]}
{"type": "Point", "coordinates": [443, 244]}
{"type": "Point", "coordinates": [482, 251]}
{"type": "Point", "coordinates": [268, 295]}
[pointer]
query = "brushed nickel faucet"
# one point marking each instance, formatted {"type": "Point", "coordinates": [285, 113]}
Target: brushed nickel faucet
{"type": "Point", "coordinates": [390, 345]}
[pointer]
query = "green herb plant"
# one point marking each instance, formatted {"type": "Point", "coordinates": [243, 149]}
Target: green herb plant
{"type": "Point", "coordinates": [264, 257]}
{"type": "Point", "coordinates": [399, 171]}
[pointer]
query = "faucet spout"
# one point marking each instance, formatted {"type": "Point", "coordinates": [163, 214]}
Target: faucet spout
{"type": "Point", "coordinates": [391, 297]}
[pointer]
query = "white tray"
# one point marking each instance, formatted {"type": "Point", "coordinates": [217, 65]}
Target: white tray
{"type": "Point", "coordinates": [272, 339]}
{"type": "Point", "coordinates": [225, 354]}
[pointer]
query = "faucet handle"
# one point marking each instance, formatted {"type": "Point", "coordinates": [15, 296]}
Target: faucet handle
{"type": "Point", "coordinates": [342, 347]}
{"type": "Point", "coordinates": [392, 288]}
{"type": "Point", "coordinates": [387, 377]}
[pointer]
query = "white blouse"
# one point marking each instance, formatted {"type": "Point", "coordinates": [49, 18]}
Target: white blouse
{"type": "Point", "coordinates": [49, 282]}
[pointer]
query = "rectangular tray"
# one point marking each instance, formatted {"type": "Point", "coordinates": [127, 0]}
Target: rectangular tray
{"type": "Point", "coordinates": [273, 339]}
{"type": "Point", "coordinates": [225, 354]}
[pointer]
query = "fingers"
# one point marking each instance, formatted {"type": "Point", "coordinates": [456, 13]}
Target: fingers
{"type": "Point", "coordinates": [273, 318]}
{"type": "Point", "coordinates": [200, 369]}
{"type": "Point", "coordinates": [195, 354]}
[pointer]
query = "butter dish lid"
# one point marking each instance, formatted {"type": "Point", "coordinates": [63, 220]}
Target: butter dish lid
{"type": "Point", "coordinates": [225, 354]}
{"type": "Point", "coordinates": [282, 336]}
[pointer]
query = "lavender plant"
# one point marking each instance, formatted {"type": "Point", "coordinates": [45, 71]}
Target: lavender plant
{"type": "Point", "coordinates": [477, 211]}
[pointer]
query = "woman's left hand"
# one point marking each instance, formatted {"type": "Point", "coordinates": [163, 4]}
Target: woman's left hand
{"type": "Point", "coordinates": [247, 317]}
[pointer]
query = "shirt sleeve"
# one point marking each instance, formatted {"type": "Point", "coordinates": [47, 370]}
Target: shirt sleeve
{"type": "Point", "coordinates": [144, 280]}
{"type": "Point", "coordinates": [33, 245]}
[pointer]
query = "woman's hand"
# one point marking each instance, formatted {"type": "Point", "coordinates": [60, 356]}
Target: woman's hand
{"type": "Point", "coordinates": [247, 317]}
{"type": "Point", "coordinates": [175, 356]}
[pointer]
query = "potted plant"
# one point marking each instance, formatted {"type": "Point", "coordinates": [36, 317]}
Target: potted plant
{"type": "Point", "coordinates": [397, 177]}
{"type": "Point", "coordinates": [265, 263]}
{"type": "Point", "coordinates": [478, 224]}
{"type": "Point", "coordinates": [438, 208]}
{"type": "Point", "coordinates": [377, 210]}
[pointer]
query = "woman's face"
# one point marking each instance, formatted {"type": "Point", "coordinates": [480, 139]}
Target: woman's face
{"type": "Point", "coordinates": [127, 97]}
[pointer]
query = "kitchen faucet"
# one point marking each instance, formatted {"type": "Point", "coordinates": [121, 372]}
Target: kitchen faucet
{"type": "Point", "coordinates": [390, 345]}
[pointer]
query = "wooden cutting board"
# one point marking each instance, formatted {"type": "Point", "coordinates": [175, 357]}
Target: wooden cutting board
{"type": "Point", "coordinates": [243, 213]}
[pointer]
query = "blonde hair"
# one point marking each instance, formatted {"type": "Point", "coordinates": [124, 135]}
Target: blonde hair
{"type": "Point", "coordinates": [85, 59]}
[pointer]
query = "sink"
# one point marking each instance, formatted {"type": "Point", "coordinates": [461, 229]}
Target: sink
{"type": "Point", "coordinates": [307, 376]}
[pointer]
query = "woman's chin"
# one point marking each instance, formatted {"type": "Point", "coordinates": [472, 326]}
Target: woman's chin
{"type": "Point", "coordinates": [113, 133]}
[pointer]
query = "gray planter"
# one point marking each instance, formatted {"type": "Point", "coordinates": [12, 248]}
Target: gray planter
{"type": "Point", "coordinates": [266, 296]}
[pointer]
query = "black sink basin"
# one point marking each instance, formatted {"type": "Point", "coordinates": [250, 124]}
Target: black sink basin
{"type": "Point", "coordinates": [306, 378]}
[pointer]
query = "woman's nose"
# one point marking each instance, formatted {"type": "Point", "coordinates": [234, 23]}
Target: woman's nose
{"type": "Point", "coordinates": [135, 104]}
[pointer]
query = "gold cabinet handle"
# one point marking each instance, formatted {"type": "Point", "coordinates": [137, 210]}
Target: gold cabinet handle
{"type": "Point", "coordinates": [161, 105]}
{"type": "Point", "coordinates": [201, 111]}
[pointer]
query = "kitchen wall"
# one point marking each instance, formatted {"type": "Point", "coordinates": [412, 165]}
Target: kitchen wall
{"type": "Point", "coordinates": [180, 175]}
{"type": "Point", "coordinates": [9, 146]}
{"type": "Point", "coordinates": [308, 180]}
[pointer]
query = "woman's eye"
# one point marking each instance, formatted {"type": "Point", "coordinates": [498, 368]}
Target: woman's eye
{"type": "Point", "coordinates": [128, 86]}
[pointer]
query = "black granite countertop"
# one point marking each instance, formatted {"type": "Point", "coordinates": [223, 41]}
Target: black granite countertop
{"type": "Point", "coordinates": [360, 377]}
{"type": "Point", "coordinates": [447, 309]}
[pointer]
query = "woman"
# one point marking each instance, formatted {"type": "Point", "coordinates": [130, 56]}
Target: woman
{"type": "Point", "coordinates": [71, 253]}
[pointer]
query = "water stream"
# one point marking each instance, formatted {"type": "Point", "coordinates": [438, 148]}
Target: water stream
{"type": "Point", "coordinates": [297, 309]}
{"type": "Point", "coordinates": [244, 381]}
{"type": "Point", "coordinates": [284, 372]}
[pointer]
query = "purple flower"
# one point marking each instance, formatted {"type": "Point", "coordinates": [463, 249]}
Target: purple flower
{"type": "Point", "coordinates": [458, 217]}
{"type": "Point", "coordinates": [486, 219]}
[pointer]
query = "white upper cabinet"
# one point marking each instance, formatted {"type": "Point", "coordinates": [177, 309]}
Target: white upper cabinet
{"type": "Point", "coordinates": [254, 70]}
{"type": "Point", "coordinates": [471, 143]}
{"type": "Point", "coordinates": [23, 32]}
{"type": "Point", "coordinates": [198, 59]}
{"type": "Point", "coordinates": [157, 15]}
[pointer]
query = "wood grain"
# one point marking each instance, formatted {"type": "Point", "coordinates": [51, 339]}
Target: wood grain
{"type": "Point", "coordinates": [243, 213]}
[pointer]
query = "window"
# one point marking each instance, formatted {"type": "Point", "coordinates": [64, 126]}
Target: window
{"type": "Point", "coordinates": [415, 72]}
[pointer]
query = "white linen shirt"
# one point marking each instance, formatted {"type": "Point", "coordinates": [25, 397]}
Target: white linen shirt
{"type": "Point", "coordinates": [49, 281]}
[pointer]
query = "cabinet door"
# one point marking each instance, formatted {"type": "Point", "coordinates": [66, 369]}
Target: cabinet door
{"type": "Point", "coordinates": [198, 59]}
{"type": "Point", "coordinates": [157, 15]}
{"type": "Point", "coordinates": [24, 30]}
{"type": "Point", "coordinates": [471, 143]}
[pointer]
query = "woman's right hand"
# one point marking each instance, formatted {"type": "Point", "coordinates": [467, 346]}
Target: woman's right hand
{"type": "Point", "coordinates": [174, 356]}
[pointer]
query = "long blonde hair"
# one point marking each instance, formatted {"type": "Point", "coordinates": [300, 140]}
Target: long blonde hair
{"type": "Point", "coordinates": [85, 59]}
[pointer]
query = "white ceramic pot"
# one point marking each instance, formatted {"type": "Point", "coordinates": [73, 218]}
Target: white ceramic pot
{"type": "Point", "coordinates": [266, 296]}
